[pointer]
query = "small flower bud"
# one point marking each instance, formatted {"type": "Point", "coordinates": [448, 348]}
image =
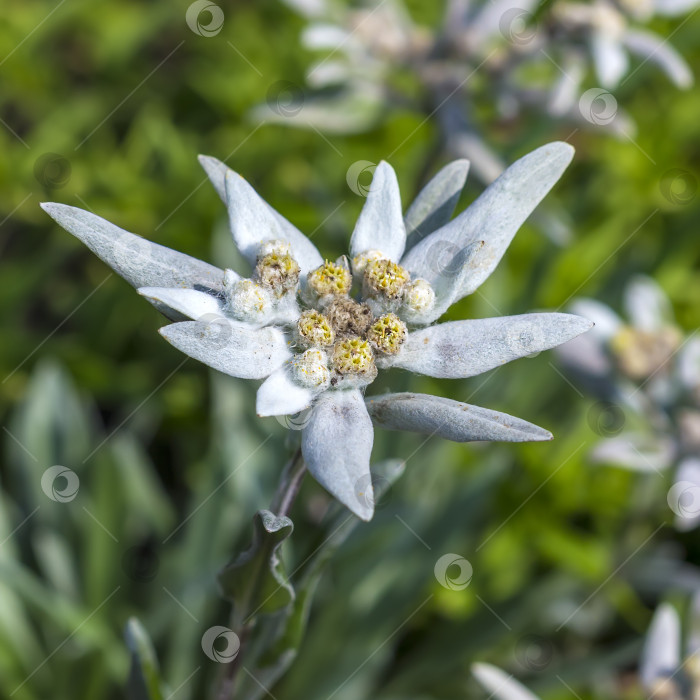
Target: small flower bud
{"type": "Point", "coordinates": [275, 246]}
{"type": "Point", "coordinates": [278, 272]}
{"type": "Point", "coordinates": [315, 329]}
{"type": "Point", "coordinates": [310, 369]}
{"type": "Point", "coordinates": [418, 297]}
{"type": "Point", "coordinates": [248, 301]}
{"type": "Point", "coordinates": [359, 262]}
{"type": "Point", "coordinates": [332, 279]}
{"type": "Point", "coordinates": [348, 317]}
{"type": "Point", "coordinates": [353, 356]}
{"type": "Point", "coordinates": [385, 278]}
{"type": "Point", "coordinates": [387, 334]}
{"type": "Point", "coordinates": [641, 353]}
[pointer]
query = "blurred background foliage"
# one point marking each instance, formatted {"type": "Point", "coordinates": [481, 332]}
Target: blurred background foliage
{"type": "Point", "coordinates": [105, 105]}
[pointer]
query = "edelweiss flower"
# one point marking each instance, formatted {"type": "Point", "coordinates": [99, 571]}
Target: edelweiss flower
{"type": "Point", "coordinates": [606, 24]}
{"type": "Point", "coordinates": [297, 324]}
{"type": "Point", "coordinates": [647, 367]}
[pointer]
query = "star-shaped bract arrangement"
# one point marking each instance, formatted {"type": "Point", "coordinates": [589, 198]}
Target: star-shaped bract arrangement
{"type": "Point", "coordinates": [317, 331]}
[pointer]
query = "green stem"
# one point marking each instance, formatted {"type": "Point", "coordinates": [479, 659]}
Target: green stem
{"type": "Point", "coordinates": [282, 502]}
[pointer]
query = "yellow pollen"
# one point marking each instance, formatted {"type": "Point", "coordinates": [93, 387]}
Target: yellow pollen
{"type": "Point", "coordinates": [315, 329]}
{"type": "Point", "coordinates": [330, 279]}
{"type": "Point", "coordinates": [387, 334]}
{"type": "Point", "coordinates": [386, 278]}
{"type": "Point", "coordinates": [353, 356]}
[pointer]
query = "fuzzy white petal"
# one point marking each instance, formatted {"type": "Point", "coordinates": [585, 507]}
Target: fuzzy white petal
{"type": "Point", "coordinates": [336, 444]}
{"type": "Point", "coordinates": [466, 348]}
{"type": "Point", "coordinates": [140, 262]}
{"type": "Point", "coordinates": [661, 653]}
{"type": "Point", "coordinates": [304, 252]}
{"type": "Point", "coordinates": [380, 225]}
{"type": "Point", "coordinates": [500, 684]}
{"type": "Point", "coordinates": [237, 350]}
{"type": "Point", "coordinates": [453, 420]}
{"type": "Point", "coordinates": [189, 302]}
{"type": "Point", "coordinates": [493, 218]}
{"type": "Point", "coordinates": [279, 395]}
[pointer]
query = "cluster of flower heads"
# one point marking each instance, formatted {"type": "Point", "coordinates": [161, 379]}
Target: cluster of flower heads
{"type": "Point", "coordinates": [481, 53]}
{"type": "Point", "coordinates": [669, 667]}
{"type": "Point", "coordinates": [318, 330]}
{"type": "Point", "coordinates": [647, 369]}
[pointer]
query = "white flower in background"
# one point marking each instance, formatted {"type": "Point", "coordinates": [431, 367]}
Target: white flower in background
{"type": "Point", "coordinates": [668, 668]}
{"type": "Point", "coordinates": [611, 38]}
{"type": "Point", "coordinates": [317, 331]}
{"type": "Point", "coordinates": [644, 365]}
{"type": "Point", "coordinates": [500, 684]}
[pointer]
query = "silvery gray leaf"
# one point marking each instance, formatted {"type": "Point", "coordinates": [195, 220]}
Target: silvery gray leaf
{"type": "Point", "coordinates": [354, 109]}
{"type": "Point", "coordinates": [466, 348]}
{"type": "Point", "coordinates": [661, 653]}
{"type": "Point", "coordinates": [304, 251]}
{"type": "Point", "coordinates": [609, 58]}
{"type": "Point", "coordinates": [237, 350]}
{"type": "Point", "coordinates": [494, 217]}
{"type": "Point", "coordinates": [499, 684]}
{"type": "Point", "coordinates": [380, 224]}
{"type": "Point", "coordinates": [140, 262]}
{"type": "Point", "coordinates": [436, 202]}
{"type": "Point", "coordinates": [279, 395]}
{"type": "Point", "coordinates": [635, 451]}
{"type": "Point", "coordinates": [336, 444]}
{"type": "Point", "coordinates": [689, 364]}
{"type": "Point", "coordinates": [652, 47]}
{"type": "Point", "coordinates": [253, 221]}
{"type": "Point", "coordinates": [188, 302]}
{"type": "Point", "coordinates": [453, 420]}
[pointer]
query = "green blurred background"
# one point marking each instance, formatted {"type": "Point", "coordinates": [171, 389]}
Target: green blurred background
{"type": "Point", "coordinates": [105, 105]}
